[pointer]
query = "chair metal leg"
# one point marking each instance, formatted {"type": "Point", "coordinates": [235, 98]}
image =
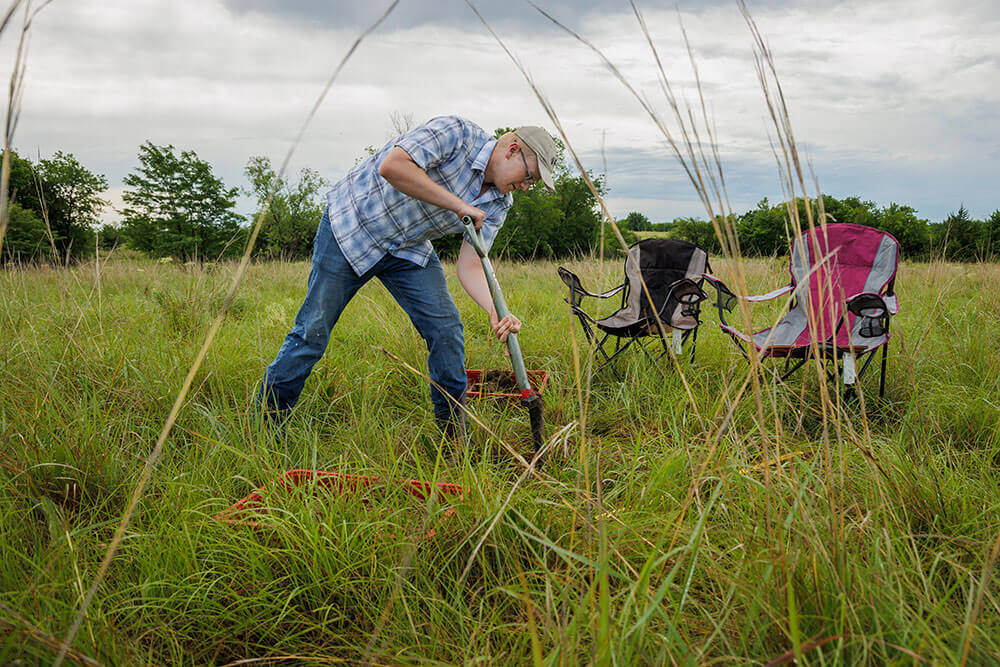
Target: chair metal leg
{"type": "Point", "coordinates": [614, 370]}
{"type": "Point", "coordinates": [788, 371]}
{"type": "Point", "coordinates": [620, 348]}
{"type": "Point", "coordinates": [869, 358]}
{"type": "Point", "coordinates": [608, 360]}
{"type": "Point", "coordinates": [663, 344]}
{"type": "Point", "coordinates": [881, 380]}
{"type": "Point", "coordinates": [648, 354]}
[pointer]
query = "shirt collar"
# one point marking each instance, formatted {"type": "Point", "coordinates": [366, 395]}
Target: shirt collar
{"type": "Point", "coordinates": [479, 165]}
{"type": "Point", "coordinates": [483, 156]}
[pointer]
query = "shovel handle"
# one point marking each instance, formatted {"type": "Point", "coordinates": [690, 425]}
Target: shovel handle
{"type": "Point", "coordinates": [516, 359]}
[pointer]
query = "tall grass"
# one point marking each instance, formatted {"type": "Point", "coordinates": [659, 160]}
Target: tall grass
{"type": "Point", "coordinates": [747, 571]}
{"type": "Point", "coordinates": [199, 357]}
{"type": "Point", "coordinates": [693, 513]}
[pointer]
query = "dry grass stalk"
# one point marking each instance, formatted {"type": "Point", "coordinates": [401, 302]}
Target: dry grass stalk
{"type": "Point", "coordinates": [196, 364]}
{"type": "Point", "coordinates": [585, 384]}
{"type": "Point", "coordinates": [14, 92]}
{"type": "Point", "coordinates": [707, 178]}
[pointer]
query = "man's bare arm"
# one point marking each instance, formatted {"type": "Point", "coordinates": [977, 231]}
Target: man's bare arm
{"type": "Point", "coordinates": [473, 279]}
{"type": "Point", "coordinates": [402, 173]}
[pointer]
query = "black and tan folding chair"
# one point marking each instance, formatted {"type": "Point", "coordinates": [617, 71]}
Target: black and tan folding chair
{"type": "Point", "coordinates": [672, 271]}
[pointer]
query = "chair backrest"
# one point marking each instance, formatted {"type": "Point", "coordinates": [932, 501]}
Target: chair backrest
{"type": "Point", "coordinates": [838, 261]}
{"type": "Point", "coordinates": [661, 262]}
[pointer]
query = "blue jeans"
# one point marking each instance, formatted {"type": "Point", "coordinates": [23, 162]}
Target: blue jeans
{"type": "Point", "coordinates": [421, 291]}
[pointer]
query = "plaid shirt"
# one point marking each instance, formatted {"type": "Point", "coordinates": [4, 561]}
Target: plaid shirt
{"type": "Point", "coordinates": [371, 218]}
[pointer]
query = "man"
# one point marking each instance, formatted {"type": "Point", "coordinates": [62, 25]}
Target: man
{"type": "Point", "coordinates": [379, 222]}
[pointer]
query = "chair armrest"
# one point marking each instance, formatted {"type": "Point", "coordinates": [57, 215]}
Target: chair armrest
{"type": "Point", "coordinates": [721, 286]}
{"type": "Point", "coordinates": [580, 312]}
{"type": "Point", "coordinates": [610, 292]}
{"type": "Point", "coordinates": [726, 298]}
{"type": "Point", "coordinates": [773, 294]}
{"type": "Point", "coordinates": [573, 282]}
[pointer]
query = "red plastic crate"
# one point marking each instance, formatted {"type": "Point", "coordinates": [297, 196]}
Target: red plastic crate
{"type": "Point", "coordinates": [537, 379]}
{"type": "Point", "coordinates": [238, 513]}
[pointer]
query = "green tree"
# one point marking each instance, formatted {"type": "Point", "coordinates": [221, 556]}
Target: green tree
{"type": "Point", "coordinates": [662, 226]}
{"type": "Point", "coordinates": [110, 237]}
{"type": "Point", "coordinates": [26, 239]}
{"type": "Point", "coordinates": [177, 207]}
{"type": "Point", "coordinates": [764, 230]}
{"type": "Point", "coordinates": [992, 231]}
{"type": "Point", "coordinates": [66, 194]}
{"type": "Point", "coordinates": [75, 203]}
{"type": "Point", "coordinates": [911, 232]}
{"type": "Point", "coordinates": [580, 227]}
{"type": "Point", "coordinates": [20, 242]}
{"type": "Point", "coordinates": [23, 184]}
{"type": "Point", "coordinates": [959, 238]}
{"type": "Point", "coordinates": [696, 231]}
{"type": "Point", "coordinates": [767, 230]}
{"type": "Point", "coordinates": [637, 222]}
{"type": "Point", "coordinates": [850, 210]}
{"type": "Point", "coordinates": [529, 229]}
{"type": "Point", "coordinates": [612, 246]}
{"type": "Point", "coordinates": [289, 227]}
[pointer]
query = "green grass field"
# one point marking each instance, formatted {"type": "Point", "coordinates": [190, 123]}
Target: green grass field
{"type": "Point", "coordinates": [650, 538]}
{"type": "Point", "coordinates": [652, 235]}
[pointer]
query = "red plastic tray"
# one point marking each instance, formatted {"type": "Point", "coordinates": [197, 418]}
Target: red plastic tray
{"type": "Point", "coordinates": [538, 379]}
{"type": "Point", "coordinates": [239, 512]}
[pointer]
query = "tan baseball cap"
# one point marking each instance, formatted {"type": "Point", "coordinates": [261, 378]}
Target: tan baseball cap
{"type": "Point", "coordinates": [544, 147]}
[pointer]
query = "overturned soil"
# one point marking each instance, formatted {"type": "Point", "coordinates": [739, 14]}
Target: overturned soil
{"type": "Point", "coordinates": [496, 382]}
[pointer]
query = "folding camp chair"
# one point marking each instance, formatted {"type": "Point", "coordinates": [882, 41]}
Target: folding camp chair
{"type": "Point", "coordinates": [842, 285]}
{"type": "Point", "coordinates": [672, 271]}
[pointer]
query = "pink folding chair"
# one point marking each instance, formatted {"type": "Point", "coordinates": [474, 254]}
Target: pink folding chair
{"type": "Point", "coordinates": [843, 297]}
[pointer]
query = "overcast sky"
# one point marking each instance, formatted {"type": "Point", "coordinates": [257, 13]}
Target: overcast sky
{"type": "Point", "coordinates": [892, 100]}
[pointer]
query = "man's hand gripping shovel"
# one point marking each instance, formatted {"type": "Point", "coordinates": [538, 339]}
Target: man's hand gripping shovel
{"type": "Point", "coordinates": [529, 397]}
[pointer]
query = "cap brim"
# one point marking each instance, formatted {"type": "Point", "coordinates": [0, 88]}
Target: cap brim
{"type": "Point", "coordinates": [546, 175]}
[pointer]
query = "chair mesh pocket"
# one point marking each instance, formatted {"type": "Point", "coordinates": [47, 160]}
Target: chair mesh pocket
{"type": "Point", "coordinates": [872, 327]}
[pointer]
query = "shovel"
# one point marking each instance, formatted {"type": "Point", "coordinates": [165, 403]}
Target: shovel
{"type": "Point", "coordinates": [529, 397]}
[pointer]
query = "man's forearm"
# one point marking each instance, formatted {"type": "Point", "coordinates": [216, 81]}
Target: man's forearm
{"type": "Point", "coordinates": [405, 175]}
{"type": "Point", "coordinates": [470, 273]}
{"type": "Point", "coordinates": [473, 279]}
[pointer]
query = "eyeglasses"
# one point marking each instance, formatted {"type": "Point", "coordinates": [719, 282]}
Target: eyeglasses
{"type": "Point", "coordinates": [531, 179]}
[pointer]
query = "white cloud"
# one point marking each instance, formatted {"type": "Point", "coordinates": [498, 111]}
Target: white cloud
{"type": "Point", "coordinates": [893, 100]}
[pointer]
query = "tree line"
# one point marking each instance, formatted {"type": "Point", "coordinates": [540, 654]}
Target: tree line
{"type": "Point", "coordinates": [765, 229]}
{"type": "Point", "coordinates": [175, 206]}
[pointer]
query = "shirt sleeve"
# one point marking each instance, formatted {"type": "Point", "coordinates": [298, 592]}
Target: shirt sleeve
{"type": "Point", "coordinates": [491, 226]}
{"type": "Point", "coordinates": [434, 142]}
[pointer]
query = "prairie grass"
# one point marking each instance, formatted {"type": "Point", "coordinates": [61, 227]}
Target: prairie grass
{"type": "Point", "coordinates": [696, 513]}
{"type": "Point", "coordinates": [880, 548]}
